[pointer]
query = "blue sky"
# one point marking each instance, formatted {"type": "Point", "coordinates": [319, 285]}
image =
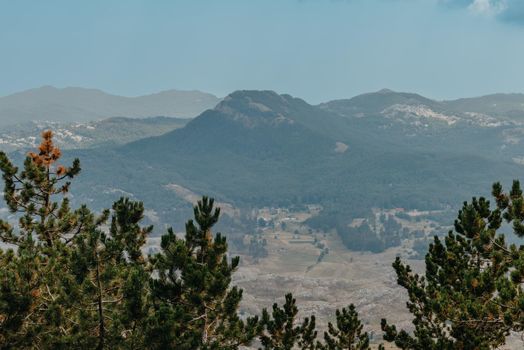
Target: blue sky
{"type": "Point", "coordinates": [315, 49]}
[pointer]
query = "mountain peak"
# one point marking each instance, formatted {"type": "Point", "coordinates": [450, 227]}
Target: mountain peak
{"type": "Point", "coordinates": [255, 107]}
{"type": "Point", "coordinates": [260, 108]}
{"type": "Point", "coordinates": [47, 87]}
{"type": "Point", "coordinates": [374, 103]}
{"type": "Point", "coordinates": [261, 101]}
{"type": "Point", "coordinates": [254, 95]}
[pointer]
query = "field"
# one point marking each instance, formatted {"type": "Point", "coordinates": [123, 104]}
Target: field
{"type": "Point", "coordinates": [339, 279]}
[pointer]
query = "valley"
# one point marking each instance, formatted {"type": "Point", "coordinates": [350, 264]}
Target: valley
{"type": "Point", "coordinates": [323, 283]}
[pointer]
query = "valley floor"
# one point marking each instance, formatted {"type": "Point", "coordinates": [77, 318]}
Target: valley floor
{"type": "Point", "coordinates": [342, 277]}
{"type": "Point", "coordinates": [339, 279]}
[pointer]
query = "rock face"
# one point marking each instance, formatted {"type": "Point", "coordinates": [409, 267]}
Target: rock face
{"type": "Point", "coordinates": [74, 104]}
{"type": "Point", "coordinates": [485, 111]}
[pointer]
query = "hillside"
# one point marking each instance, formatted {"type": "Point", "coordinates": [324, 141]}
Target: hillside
{"type": "Point", "coordinates": [106, 132]}
{"type": "Point", "coordinates": [502, 105]}
{"type": "Point", "coordinates": [258, 148]}
{"type": "Point", "coordinates": [75, 104]}
{"type": "Point", "coordinates": [489, 110]}
{"type": "Point", "coordinates": [376, 102]}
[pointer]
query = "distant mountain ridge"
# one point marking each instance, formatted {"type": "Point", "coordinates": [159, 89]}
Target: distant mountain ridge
{"type": "Point", "coordinates": [376, 102]}
{"type": "Point", "coordinates": [263, 149]}
{"type": "Point", "coordinates": [260, 148]}
{"type": "Point", "coordinates": [100, 133]}
{"type": "Point", "coordinates": [75, 104]}
{"type": "Point", "coordinates": [511, 105]}
{"type": "Point", "coordinates": [503, 107]}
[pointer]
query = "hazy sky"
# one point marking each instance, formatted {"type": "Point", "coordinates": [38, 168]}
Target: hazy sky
{"type": "Point", "coordinates": [315, 49]}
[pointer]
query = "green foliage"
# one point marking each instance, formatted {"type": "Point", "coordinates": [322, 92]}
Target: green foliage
{"type": "Point", "coordinates": [77, 280]}
{"type": "Point", "coordinates": [471, 294]}
{"type": "Point", "coordinates": [68, 283]}
{"type": "Point", "coordinates": [366, 237]}
{"type": "Point", "coordinates": [257, 247]}
{"type": "Point", "coordinates": [347, 333]}
{"type": "Point", "coordinates": [74, 279]}
{"type": "Point", "coordinates": [192, 289]}
{"type": "Point", "coordinates": [388, 163]}
{"type": "Point", "coordinates": [280, 331]}
{"type": "Point", "coordinates": [74, 282]}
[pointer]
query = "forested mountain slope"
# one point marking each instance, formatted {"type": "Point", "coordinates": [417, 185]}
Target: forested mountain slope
{"type": "Point", "coordinates": [258, 148]}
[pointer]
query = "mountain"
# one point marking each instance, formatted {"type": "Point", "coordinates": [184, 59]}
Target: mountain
{"type": "Point", "coordinates": [376, 102]}
{"type": "Point", "coordinates": [74, 104]}
{"type": "Point", "coordinates": [502, 105]}
{"type": "Point", "coordinates": [230, 152]}
{"type": "Point", "coordinates": [259, 148]}
{"type": "Point", "coordinates": [105, 132]}
{"type": "Point", "coordinates": [486, 110]}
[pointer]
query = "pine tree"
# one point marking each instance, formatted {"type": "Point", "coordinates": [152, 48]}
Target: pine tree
{"type": "Point", "coordinates": [111, 273]}
{"type": "Point", "coordinates": [281, 331]}
{"type": "Point", "coordinates": [74, 281]}
{"type": "Point", "coordinates": [34, 306]}
{"type": "Point", "coordinates": [67, 283]}
{"type": "Point", "coordinates": [347, 333]}
{"type": "Point", "coordinates": [194, 305]}
{"type": "Point", "coordinates": [471, 294]}
{"type": "Point", "coordinates": [31, 193]}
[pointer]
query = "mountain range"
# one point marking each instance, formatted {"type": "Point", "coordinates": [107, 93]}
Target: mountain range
{"type": "Point", "coordinates": [75, 104]}
{"type": "Point", "coordinates": [75, 135]}
{"type": "Point", "coordinates": [259, 148]}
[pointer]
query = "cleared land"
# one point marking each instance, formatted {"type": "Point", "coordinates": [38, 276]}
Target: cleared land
{"type": "Point", "coordinates": [339, 279]}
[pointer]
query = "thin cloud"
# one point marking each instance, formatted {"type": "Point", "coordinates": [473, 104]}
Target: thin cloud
{"type": "Point", "coordinates": [511, 11]}
{"type": "Point", "coordinates": [488, 7]}
{"type": "Point", "coordinates": [514, 12]}
{"type": "Point", "coordinates": [503, 10]}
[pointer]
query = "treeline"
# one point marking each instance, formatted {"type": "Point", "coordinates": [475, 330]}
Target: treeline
{"type": "Point", "coordinates": [74, 279]}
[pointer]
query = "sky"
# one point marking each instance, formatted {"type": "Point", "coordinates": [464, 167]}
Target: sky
{"type": "Point", "coordinates": [315, 49]}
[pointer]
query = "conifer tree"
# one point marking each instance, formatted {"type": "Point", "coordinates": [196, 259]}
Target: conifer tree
{"type": "Point", "coordinates": [111, 273]}
{"type": "Point", "coordinates": [194, 305]}
{"type": "Point", "coordinates": [471, 294]}
{"type": "Point", "coordinates": [74, 281]}
{"type": "Point", "coordinates": [34, 307]}
{"type": "Point", "coordinates": [347, 332]}
{"type": "Point", "coordinates": [31, 193]}
{"type": "Point", "coordinates": [67, 283]}
{"type": "Point", "coordinates": [281, 331]}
